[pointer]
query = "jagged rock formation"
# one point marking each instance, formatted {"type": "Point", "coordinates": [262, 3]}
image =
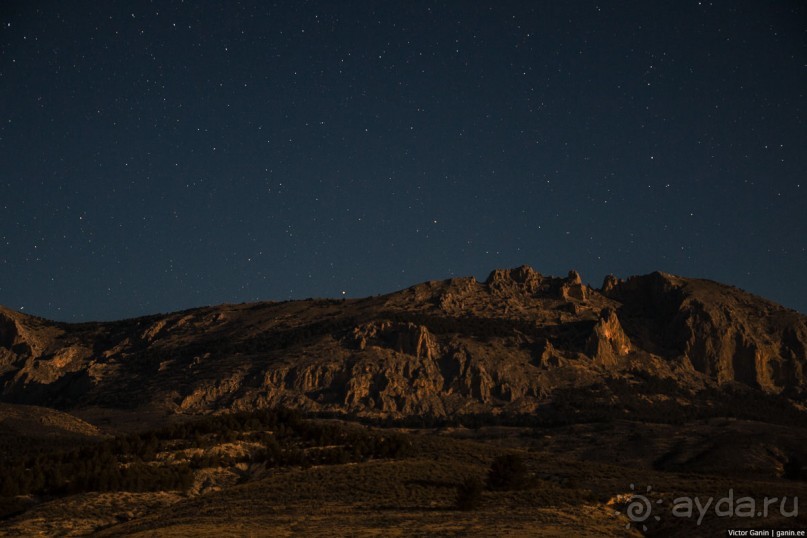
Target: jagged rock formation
{"type": "Point", "coordinates": [520, 342]}
{"type": "Point", "coordinates": [608, 342]}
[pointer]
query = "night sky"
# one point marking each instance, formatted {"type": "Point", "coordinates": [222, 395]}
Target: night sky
{"type": "Point", "coordinates": [156, 156]}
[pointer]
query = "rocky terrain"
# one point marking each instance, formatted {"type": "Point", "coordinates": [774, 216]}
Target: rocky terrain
{"type": "Point", "coordinates": [688, 384]}
{"type": "Point", "coordinates": [514, 344]}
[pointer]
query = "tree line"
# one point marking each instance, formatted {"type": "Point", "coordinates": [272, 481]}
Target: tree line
{"type": "Point", "coordinates": [131, 463]}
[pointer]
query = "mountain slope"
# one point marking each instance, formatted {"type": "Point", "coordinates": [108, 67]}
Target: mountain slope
{"type": "Point", "coordinates": [518, 343]}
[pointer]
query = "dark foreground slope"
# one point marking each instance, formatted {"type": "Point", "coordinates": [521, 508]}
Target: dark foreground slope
{"type": "Point", "coordinates": [275, 473]}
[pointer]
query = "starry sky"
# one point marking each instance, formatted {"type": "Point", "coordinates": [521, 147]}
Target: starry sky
{"type": "Point", "coordinates": [156, 156]}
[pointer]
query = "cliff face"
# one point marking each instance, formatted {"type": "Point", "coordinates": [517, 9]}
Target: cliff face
{"type": "Point", "coordinates": [720, 331]}
{"type": "Point", "coordinates": [520, 342]}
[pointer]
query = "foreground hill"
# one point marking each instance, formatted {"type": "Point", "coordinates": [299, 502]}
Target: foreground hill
{"type": "Point", "coordinates": [517, 344]}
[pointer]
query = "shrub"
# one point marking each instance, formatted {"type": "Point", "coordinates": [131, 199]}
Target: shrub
{"type": "Point", "coordinates": [792, 469]}
{"type": "Point", "coordinates": [507, 472]}
{"type": "Point", "coordinates": [469, 494]}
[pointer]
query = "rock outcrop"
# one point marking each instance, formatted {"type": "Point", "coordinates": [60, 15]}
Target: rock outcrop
{"type": "Point", "coordinates": [608, 342]}
{"type": "Point", "coordinates": [573, 288]}
{"type": "Point", "coordinates": [524, 278]}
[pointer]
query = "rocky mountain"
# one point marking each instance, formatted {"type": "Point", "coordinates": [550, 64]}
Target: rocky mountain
{"type": "Point", "coordinates": [689, 386]}
{"type": "Point", "coordinates": [518, 344]}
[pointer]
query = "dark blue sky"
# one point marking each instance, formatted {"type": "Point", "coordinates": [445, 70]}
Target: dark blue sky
{"type": "Point", "coordinates": [160, 155]}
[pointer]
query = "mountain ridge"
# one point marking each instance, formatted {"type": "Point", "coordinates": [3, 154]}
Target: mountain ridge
{"type": "Point", "coordinates": [517, 343]}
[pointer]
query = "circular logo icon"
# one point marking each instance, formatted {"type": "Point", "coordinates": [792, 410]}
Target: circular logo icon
{"type": "Point", "coordinates": [640, 508]}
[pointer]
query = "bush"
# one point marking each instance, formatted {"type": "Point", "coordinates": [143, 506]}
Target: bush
{"type": "Point", "coordinates": [792, 469]}
{"type": "Point", "coordinates": [507, 473]}
{"type": "Point", "coordinates": [469, 494]}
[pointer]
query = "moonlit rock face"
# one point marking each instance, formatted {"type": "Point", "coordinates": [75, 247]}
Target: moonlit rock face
{"type": "Point", "coordinates": [442, 348]}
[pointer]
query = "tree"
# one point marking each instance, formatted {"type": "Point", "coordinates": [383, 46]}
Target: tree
{"type": "Point", "coordinates": [507, 472]}
{"type": "Point", "coordinates": [469, 494]}
{"type": "Point", "coordinates": [792, 468]}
